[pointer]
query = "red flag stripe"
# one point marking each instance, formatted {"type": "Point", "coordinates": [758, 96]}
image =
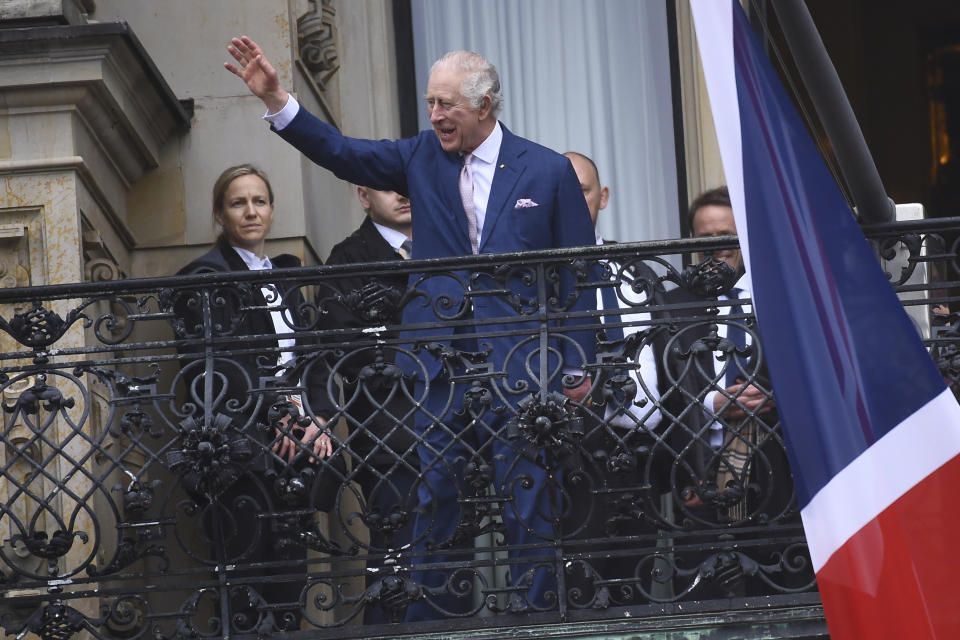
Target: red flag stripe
{"type": "Point", "coordinates": [907, 454]}
{"type": "Point", "coordinates": [893, 579]}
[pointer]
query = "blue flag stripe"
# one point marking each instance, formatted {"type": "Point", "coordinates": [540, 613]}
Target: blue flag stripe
{"type": "Point", "coordinates": [846, 362]}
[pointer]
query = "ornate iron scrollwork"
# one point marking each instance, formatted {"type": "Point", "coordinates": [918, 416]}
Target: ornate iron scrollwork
{"type": "Point", "coordinates": [165, 469]}
{"type": "Point", "coordinates": [39, 327]}
{"type": "Point", "coordinates": [709, 278]}
{"type": "Point", "coordinates": [210, 455]}
{"type": "Point", "coordinates": [40, 394]}
{"type": "Point", "coordinates": [393, 594]}
{"type": "Point", "coordinates": [546, 424]}
{"type": "Point", "coordinates": [375, 303]}
{"type": "Point", "coordinates": [49, 547]}
{"type": "Point", "coordinates": [53, 621]}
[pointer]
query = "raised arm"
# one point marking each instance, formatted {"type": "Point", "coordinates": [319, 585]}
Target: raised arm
{"type": "Point", "coordinates": [257, 72]}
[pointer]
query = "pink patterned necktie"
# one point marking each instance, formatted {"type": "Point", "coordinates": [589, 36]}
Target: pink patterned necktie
{"type": "Point", "coordinates": [466, 195]}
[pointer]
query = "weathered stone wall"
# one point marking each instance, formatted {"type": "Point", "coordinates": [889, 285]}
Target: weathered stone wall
{"type": "Point", "coordinates": [187, 42]}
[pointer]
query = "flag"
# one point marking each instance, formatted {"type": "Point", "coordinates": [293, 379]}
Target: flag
{"type": "Point", "coordinates": [872, 433]}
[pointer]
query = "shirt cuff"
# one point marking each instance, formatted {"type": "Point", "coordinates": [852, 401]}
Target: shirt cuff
{"type": "Point", "coordinates": [709, 401]}
{"type": "Point", "coordinates": [716, 429]}
{"type": "Point", "coordinates": [285, 116]}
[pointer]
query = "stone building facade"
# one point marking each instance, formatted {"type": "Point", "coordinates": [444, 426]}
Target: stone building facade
{"type": "Point", "coordinates": [118, 116]}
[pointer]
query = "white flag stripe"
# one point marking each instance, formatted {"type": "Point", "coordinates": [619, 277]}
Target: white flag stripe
{"type": "Point", "coordinates": [713, 21]}
{"type": "Point", "coordinates": [883, 473]}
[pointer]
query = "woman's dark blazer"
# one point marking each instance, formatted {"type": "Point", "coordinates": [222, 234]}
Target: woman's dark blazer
{"type": "Point", "coordinates": [245, 348]}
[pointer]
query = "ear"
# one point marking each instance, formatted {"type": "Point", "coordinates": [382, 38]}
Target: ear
{"type": "Point", "coordinates": [604, 196]}
{"type": "Point", "coordinates": [485, 105]}
{"type": "Point", "coordinates": [364, 198]}
{"type": "Point", "coordinates": [218, 217]}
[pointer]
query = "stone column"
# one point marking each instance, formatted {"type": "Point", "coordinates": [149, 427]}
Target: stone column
{"type": "Point", "coordinates": [83, 114]}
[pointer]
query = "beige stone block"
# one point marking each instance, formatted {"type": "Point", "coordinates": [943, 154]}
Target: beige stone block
{"type": "Point", "coordinates": [227, 132]}
{"type": "Point", "coordinates": [33, 134]}
{"type": "Point", "coordinates": [84, 100]}
{"type": "Point", "coordinates": [368, 72]}
{"type": "Point", "coordinates": [40, 244]}
{"type": "Point", "coordinates": [47, 206]}
{"type": "Point", "coordinates": [106, 245]}
{"type": "Point", "coordinates": [97, 69]}
{"type": "Point", "coordinates": [331, 210]}
{"type": "Point", "coordinates": [42, 11]}
{"type": "Point", "coordinates": [187, 39]}
{"type": "Point", "coordinates": [156, 204]}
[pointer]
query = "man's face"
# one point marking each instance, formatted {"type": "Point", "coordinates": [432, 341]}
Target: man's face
{"type": "Point", "coordinates": [717, 220]}
{"type": "Point", "coordinates": [459, 128]}
{"type": "Point", "coordinates": [595, 195]}
{"type": "Point", "coordinates": [388, 208]}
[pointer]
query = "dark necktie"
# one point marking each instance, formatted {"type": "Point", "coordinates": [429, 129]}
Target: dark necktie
{"type": "Point", "coordinates": [406, 249]}
{"type": "Point", "coordinates": [610, 302]}
{"type": "Point", "coordinates": [738, 337]}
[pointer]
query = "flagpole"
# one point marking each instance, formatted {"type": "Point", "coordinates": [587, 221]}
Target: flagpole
{"type": "Point", "coordinates": [829, 99]}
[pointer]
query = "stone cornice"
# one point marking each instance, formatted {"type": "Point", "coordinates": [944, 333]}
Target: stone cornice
{"type": "Point", "coordinates": [43, 12]}
{"type": "Point", "coordinates": [125, 100]}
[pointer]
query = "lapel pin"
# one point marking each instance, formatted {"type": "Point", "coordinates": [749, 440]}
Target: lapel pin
{"type": "Point", "coordinates": [502, 166]}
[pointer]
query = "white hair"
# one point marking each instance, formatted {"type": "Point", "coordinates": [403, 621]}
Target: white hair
{"type": "Point", "coordinates": [480, 78]}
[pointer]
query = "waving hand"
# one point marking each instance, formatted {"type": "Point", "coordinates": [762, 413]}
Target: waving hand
{"type": "Point", "coordinates": [257, 72]}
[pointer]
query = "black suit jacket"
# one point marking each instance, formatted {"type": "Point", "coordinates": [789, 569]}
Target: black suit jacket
{"type": "Point", "coordinates": [684, 353]}
{"type": "Point", "coordinates": [236, 319]}
{"type": "Point", "coordinates": [365, 245]}
{"type": "Point", "coordinates": [378, 410]}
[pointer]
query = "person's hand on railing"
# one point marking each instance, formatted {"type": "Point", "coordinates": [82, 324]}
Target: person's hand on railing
{"type": "Point", "coordinates": [317, 438]}
{"type": "Point", "coordinates": [579, 392]}
{"type": "Point", "coordinates": [747, 398]}
{"type": "Point", "coordinates": [292, 437]}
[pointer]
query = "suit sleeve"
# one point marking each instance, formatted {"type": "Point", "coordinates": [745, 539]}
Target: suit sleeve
{"type": "Point", "coordinates": [340, 309]}
{"type": "Point", "coordinates": [573, 228]}
{"type": "Point", "coordinates": [381, 164]}
{"type": "Point", "coordinates": [344, 285]}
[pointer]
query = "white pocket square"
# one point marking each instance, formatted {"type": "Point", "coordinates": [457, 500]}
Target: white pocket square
{"type": "Point", "coordinates": [523, 203]}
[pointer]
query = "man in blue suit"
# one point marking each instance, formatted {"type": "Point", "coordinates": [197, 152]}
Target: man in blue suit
{"type": "Point", "coordinates": [476, 188]}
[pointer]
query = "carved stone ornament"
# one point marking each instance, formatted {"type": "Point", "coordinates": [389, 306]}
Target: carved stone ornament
{"type": "Point", "coordinates": [14, 255]}
{"type": "Point", "coordinates": [99, 264]}
{"type": "Point", "coordinates": [317, 41]}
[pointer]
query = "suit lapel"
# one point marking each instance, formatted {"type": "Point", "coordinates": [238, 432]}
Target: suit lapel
{"type": "Point", "coordinates": [453, 212]}
{"type": "Point", "coordinates": [380, 249]}
{"type": "Point", "coordinates": [509, 168]}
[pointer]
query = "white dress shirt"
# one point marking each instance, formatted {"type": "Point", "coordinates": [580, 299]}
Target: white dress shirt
{"type": "Point", "coordinates": [285, 116]}
{"type": "Point", "coordinates": [392, 237]}
{"type": "Point", "coordinates": [482, 167]}
{"type": "Point", "coordinates": [272, 295]}
{"type": "Point", "coordinates": [745, 285]}
{"type": "Point", "coordinates": [644, 374]}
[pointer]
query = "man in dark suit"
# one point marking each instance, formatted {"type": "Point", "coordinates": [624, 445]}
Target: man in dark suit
{"type": "Point", "coordinates": [615, 425]}
{"type": "Point", "coordinates": [633, 284]}
{"type": "Point", "coordinates": [476, 188]}
{"type": "Point", "coordinates": [720, 449]}
{"type": "Point", "coordinates": [728, 459]}
{"type": "Point", "coordinates": [377, 405]}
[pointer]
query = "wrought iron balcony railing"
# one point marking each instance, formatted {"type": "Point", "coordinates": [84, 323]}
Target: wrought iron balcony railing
{"type": "Point", "coordinates": [159, 480]}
